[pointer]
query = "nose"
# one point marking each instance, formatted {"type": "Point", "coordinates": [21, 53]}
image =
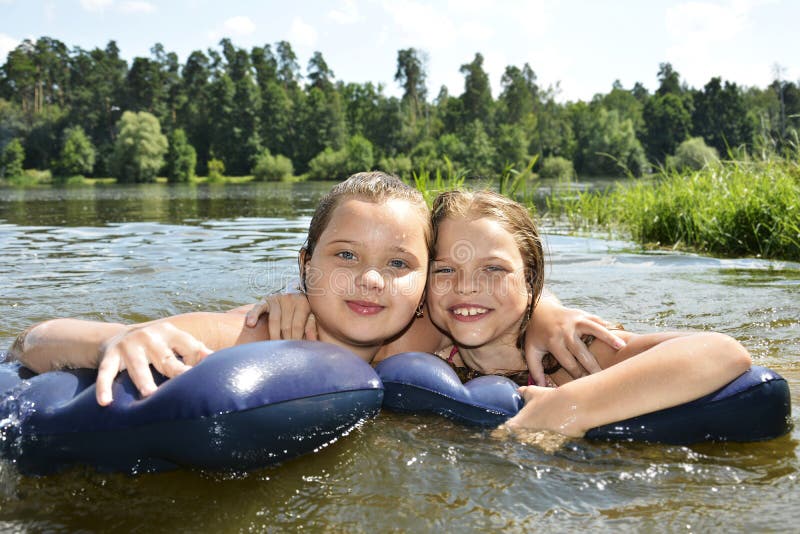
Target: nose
{"type": "Point", "coordinates": [465, 283]}
{"type": "Point", "coordinates": [371, 278]}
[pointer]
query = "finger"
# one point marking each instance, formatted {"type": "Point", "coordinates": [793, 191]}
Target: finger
{"type": "Point", "coordinates": [275, 322]}
{"type": "Point", "coordinates": [536, 369]}
{"type": "Point", "coordinates": [568, 362]}
{"type": "Point", "coordinates": [585, 356]}
{"type": "Point", "coordinates": [106, 372]}
{"type": "Point", "coordinates": [299, 321]}
{"type": "Point", "coordinates": [287, 322]}
{"type": "Point", "coordinates": [170, 366]}
{"type": "Point", "coordinates": [139, 371]}
{"type": "Point", "coordinates": [311, 328]}
{"type": "Point", "coordinates": [189, 347]}
{"type": "Point", "coordinates": [599, 329]}
{"type": "Point", "coordinates": [251, 319]}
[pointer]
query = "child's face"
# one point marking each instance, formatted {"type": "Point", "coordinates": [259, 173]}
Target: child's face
{"type": "Point", "coordinates": [367, 273]}
{"type": "Point", "coordinates": [476, 287]}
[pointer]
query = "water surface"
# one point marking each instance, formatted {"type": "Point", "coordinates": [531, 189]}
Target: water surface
{"type": "Point", "coordinates": [136, 253]}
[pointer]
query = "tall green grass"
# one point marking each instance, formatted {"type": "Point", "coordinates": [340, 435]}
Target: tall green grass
{"type": "Point", "coordinates": [731, 209]}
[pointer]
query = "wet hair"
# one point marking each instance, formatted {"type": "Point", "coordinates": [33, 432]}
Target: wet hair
{"type": "Point", "coordinates": [376, 187]}
{"type": "Point", "coordinates": [515, 218]}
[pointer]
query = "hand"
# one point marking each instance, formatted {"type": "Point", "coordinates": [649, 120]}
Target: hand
{"type": "Point", "coordinates": [135, 349]}
{"type": "Point", "coordinates": [290, 316]}
{"type": "Point", "coordinates": [558, 330]}
{"type": "Point", "coordinates": [530, 425]}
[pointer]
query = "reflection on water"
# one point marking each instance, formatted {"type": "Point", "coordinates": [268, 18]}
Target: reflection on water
{"type": "Point", "coordinates": [136, 253]}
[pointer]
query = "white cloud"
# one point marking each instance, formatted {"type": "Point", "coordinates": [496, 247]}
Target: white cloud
{"type": "Point", "coordinates": [347, 13]}
{"type": "Point", "coordinates": [699, 32]}
{"type": "Point", "coordinates": [239, 26]}
{"type": "Point", "coordinates": [137, 6]}
{"type": "Point", "coordinates": [421, 25]}
{"type": "Point", "coordinates": [303, 34]}
{"type": "Point", "coordinates": [96, 5]}
{"type": "Point", "coordinates": [7, 44]}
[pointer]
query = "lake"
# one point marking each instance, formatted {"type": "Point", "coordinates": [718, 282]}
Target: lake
{"type": "Point", "coordinates": [137, 253]}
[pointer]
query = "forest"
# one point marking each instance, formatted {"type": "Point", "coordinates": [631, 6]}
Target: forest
{"type": "Point", "coordinates": [236, 112]}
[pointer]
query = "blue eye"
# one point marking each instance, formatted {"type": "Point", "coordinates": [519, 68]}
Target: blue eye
{"type": "Point", "coordinates": [443, 270]}
{"type": "Point", "coordinates": [346, 255]}
{"type": "Point", "coordinates": [496, 268]}
{"type": "Point", "coordinates": [398, 264]}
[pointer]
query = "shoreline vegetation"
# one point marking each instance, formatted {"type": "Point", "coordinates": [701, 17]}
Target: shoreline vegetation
{"type": "Point", "coordinates": [76, 117]}
{"type": "Point", "coordinates": [726, 208]}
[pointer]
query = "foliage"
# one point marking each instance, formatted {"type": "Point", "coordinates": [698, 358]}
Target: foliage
{"type": "Point", "coordinates": [77, 154]}
{"type": "Point", "coordinates": [233, 102]}
{"type": "Point", "coordinates": [693, 154]}
{"type": "Point", "coordinates": [139, 148]}
{"type": "Point", "coordinates": [733, 209]}
{"type": "Point", "coordinates": [181, 158]}
{"type": "Point", "coordinates": [431, 183]}
{"type": "Point", "coordinates": [556, 167]}
{"type": "Point", "coordinates": [331, 164]}
{"type": "Point", "coordinates": [216, 170]}
{"type": "Point", "coordinates": [399, 166]}
{"type": "Point", "coordinates": [271, 168]}
{"type": "Point", "coordinates": [11, 160]}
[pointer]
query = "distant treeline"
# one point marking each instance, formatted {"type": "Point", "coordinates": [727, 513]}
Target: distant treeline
{"type": "Point", "coordinates": [232, 110]}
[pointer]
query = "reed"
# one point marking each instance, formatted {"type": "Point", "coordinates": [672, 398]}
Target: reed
{"type": "Point", "coordinates": [738, 208]}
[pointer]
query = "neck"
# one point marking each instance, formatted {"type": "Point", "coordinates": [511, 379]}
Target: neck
{"type": "Point", "coordinates": [365, 352]}
{"type": "Point", "coordinates": [498, 356]}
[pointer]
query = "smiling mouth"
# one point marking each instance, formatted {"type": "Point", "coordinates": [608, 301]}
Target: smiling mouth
{"type": "Point", "coordinates": [362, 307]}
{"type": "Point", "coordinates": [469, 313]}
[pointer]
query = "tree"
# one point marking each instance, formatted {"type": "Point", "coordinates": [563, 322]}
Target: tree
{"type": "Point", "coordinates": [319, 74]}
{"type": "Point", "coordinates": [77, 153]}
{"type": "Point", "coordinates": [139, 148]}
{"type": "Point", "coordinates": [477, 96]}
{"type": "Point", "coordinates": [181, 158]}
{"type": "Point", "coordinates": [11, 159]}
{"type": "Point", "coordinates": [519, 95]}
{"type": "Point", "coordinates": [193, 110]}
{"type": "Point", "coordinates": [720, 116]}
{"type": "Point", "coordinates": [667, 124]}
{"type": "Point", "coordinates": [669, 80]}
{"type": "Point", "coordinates": [410, 74]}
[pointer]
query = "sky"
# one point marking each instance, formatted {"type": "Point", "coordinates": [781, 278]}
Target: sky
{"type": "Point", "coordinates": [579, 46]}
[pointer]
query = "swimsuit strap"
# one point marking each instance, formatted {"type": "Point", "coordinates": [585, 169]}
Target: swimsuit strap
{"type": "Point", "coordinates": [453, 352]}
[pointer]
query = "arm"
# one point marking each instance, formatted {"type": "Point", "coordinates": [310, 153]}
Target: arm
{"type": "Point", "coordinates": [558, 330]}
{"type": "Point", "coordinates": [114, 347]}
{"type": "Point", "coordinates": [668, 373]}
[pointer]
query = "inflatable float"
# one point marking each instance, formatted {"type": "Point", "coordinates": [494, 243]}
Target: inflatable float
{"type": "Point", "coordinates": [240, 408]}
{"type": "Point", "coordinates": [754, 407]}
{"type": "Point", "coordinates": [262, 403]}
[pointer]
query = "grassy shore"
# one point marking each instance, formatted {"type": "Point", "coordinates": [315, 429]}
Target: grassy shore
{"type": "Point", "coordinates": [728, 209]}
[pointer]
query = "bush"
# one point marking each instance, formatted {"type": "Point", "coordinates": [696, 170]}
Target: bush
{"type": "Point", "coordinates": [139, 149]}
{"type": "Point", "coordinates": [77, 155]}
{"type": "Point", "coordinates": [399, 166]}
{"type": "Point", "coordinates": [332, 164]}
{"type": "Point", "coordinates": [216, 170]}
{"type": "Point", "coordinates": [328, 165]}
{"type": "Point", "coordinates": [359, 154]}
{"type": "Point", "coordinates": [693, 154]}
{"type": "Point", "coordinates": [11, 159]}
{"type": "Point", "coordinates": [181, 158]}
{"type": "Point", "coordinates": [557, 167]}
{"type": "Point", "coordinates": [271, 168]}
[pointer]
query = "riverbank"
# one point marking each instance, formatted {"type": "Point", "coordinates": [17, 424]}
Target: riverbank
{"type": "Point", "coordinates": [730, 209]}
